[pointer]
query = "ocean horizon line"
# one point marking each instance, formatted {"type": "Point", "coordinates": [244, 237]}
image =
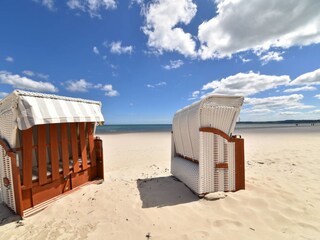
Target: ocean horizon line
{"type": "Point", "coordinates": [239, 122]}
{"type": "Point", "coordinates": [131, 128]}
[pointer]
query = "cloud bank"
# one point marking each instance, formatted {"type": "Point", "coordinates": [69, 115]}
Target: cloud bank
{"type": "Point", "coordinates": [93, 7]}
{"type": "Point", "coordinates": [17, 81]}
{"type": "Point", "coordinates": [174, 64]}
{"type": "Point", "coordinates": [237, 27]}
{"type": "Point", "coordinates": [251, 84]}
{"type": "Point", "coordinates": [83, 85]}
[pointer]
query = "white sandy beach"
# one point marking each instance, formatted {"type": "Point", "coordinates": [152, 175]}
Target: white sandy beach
{"type": "Point", "coordinates": [139, 199]}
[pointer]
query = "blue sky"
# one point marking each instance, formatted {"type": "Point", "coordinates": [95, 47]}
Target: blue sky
{"type": "Point", "coordinates": [144, 60]}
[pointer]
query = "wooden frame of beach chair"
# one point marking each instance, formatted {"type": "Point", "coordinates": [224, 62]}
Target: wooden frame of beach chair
{"type": "Point", "coordinates": [41, 162]}
{"type": "Point", "coordinates": [205, 155]}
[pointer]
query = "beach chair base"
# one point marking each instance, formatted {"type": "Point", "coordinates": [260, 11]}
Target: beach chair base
{"type": "Point", "coordinates": [220, 166]}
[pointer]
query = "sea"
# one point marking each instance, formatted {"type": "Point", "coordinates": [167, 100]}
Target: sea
{"type": "Point", "coordinates": [132, 128]}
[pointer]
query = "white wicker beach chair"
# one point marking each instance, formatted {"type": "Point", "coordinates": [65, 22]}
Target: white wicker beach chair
{"type": "Point", "coordinates": [205, 155]}
{"type": "Point", "coordinates": [47, 147]}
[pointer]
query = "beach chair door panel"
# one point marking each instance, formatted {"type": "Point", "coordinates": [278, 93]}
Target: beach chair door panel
{"type": "Point", "coordinates": [55, 159]}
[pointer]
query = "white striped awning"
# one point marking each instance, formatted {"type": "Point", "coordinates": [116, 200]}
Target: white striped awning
{"type": "Point", "coordinates": [37, 108]}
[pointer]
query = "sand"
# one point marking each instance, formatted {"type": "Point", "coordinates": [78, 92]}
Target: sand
{"type": "Point", "coordinates": [140, 200]}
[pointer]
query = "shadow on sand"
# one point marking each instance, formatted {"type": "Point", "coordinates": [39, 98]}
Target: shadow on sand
{"type": "Point", "coordinates": [164, 191]}
{"type": "Point", "coordinates": [7, 216]}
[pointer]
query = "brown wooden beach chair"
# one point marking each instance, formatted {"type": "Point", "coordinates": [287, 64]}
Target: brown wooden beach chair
{"type": "Point", "coordinates": [47, 148]}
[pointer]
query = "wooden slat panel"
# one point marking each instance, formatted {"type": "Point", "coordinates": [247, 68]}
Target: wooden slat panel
{"type": "Point", "coordinates": [26, 196]}
{"type": "Point", "coordinates": [54, 151]}
{"type": "Point", "coordinates": [83, 147]}
{"type": "Point", "coordinates": [99, 157]}
{"type": "Point", "coordinates": [74, 146]}
{"type": "Point", "coordinates": [92, 152]}
{"type": "Point", "coordinates": [42, 155]}
{"type": "Point", "coordinates": [78, 179]}
{"type": "Point", "coordinates": [64, 148]}
{"type": "Point", "coordinates": [239, 164]}
{"type": "Point", "coordinates": [44, 193]}
{"type": "Point", "coordinates": [27, 158]}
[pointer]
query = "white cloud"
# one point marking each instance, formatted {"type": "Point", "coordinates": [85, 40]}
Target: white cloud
{"type": "Point", "coordinates": [83, 85]}
{"type": "Point", "coordinates": [43, 76]}
{"type": "Point", "coordinates": [117, 48]}
{"type": "Point", "coordinates": [245, 60]}
{"type": "Point", "coordinates": [310, 78]}
{"type": "Point", "coordinates": [257, 111]}
{"type": "Point", "coordinates": [290, 113]}
{"type": "Point", "coordinates": [80, 85]}
{"type": "Point", "coordinates": [161, 20]}
{"type": "Point", "coordinates": [115, 67]}
{"type": "Point", "coordinates": [174, 64]}
{"type": "Point", "coordinates": [194, 95]}
{"type": "Point", "coordinates": [35, 74]}
{"type": "Point", "coordinates": [299, 89]}
{"type": "Point", "coordinates": [109, 91]}
{"type": "Point", "coordinates": [28, 73]}
{"type": "Point", "coordinates": [77, 4]}
{"type": "Point", "coordinates": [276, 107]}
{"type": "Point", "coordinates": [92, 6]}
{"type": "Point", "coordinates": [278, 102]}
{"type": "Point", "coordinates": [300, 107]}
{"type": "Point", "coordinates": [315, 112]}
{"type": "Point", "coordinates": [138, 2]}
{"type": "Point", "coordinates": [246, 84]}
{"type": "Point", "coordinates": [9, 59]}
{"type": "Point", "coordinates": [160, 84]}
{"type": "Point", "coordinates": [271, 56]}
{"type": "Point", "coordinates": [260, 25]}
{"type": "Point", "coordinates": [95, 50]}
{"type": "Point", "coordinates": [47, 3]}
{"type": "Point", "coordinates": [18, 81]}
